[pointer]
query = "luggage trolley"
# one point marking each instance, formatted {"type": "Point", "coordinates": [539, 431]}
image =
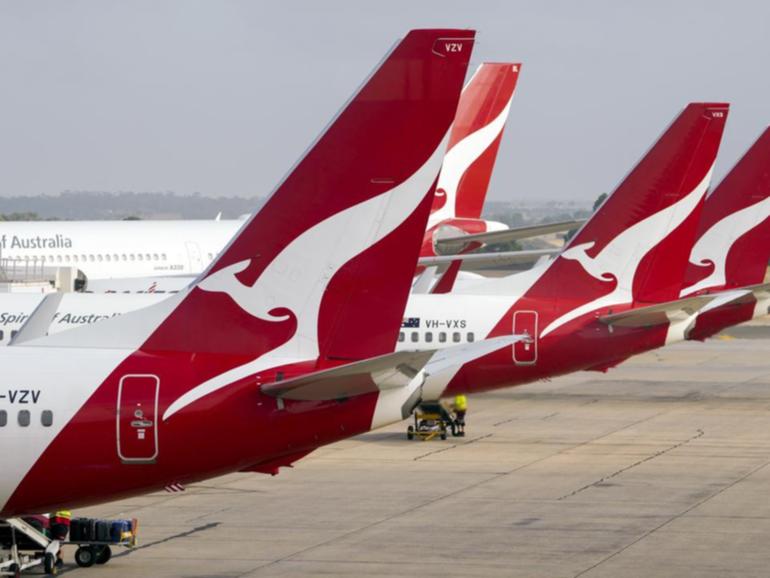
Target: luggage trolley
{"type": "Point", "coordinates": [431, 420]}
{"type": "Point", "coordinates": [96, 538]}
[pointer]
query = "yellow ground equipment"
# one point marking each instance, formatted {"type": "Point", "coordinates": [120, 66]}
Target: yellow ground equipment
{"type": "Point", "coordinates": [431, 420]}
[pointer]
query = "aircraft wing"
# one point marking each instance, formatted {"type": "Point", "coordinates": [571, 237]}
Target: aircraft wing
{"type": "Point", "coordinates": [391, 371]}
{"type": "Point", "coordinates": [672, 311]}
{"type": "Point", "coordinates": [481, 260]}
{"type": "Point", "coordinates": [458, 243]}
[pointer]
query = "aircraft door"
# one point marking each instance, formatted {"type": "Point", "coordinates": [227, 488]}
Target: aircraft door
{"type": "Point", "coordinates": [525, 352]}
{"type": "Point", "coordinates": [137, 420]}
{"type": "Point", "coordinates": [195, 257]}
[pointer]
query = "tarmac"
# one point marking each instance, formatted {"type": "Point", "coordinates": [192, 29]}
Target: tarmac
{"type": "Point", "coordinates": [660, 467]}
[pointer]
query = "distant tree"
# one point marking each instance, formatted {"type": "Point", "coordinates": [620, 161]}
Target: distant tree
{"type": "Point", "coordinates": [132, 218]}
{"type": "Point", "coordinates": [20, 217]}
{"type": "Point", "coordinates": [599, 201]}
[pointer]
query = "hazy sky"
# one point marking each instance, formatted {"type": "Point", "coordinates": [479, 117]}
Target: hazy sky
{"type": "Point", "coordinates": [222, 96]}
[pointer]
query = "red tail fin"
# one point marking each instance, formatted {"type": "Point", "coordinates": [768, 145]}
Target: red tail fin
{"type": "Point", "coordinates": [732, 245]}
{"type": "Point", "coordinates": [324, 269]}
{"type": "Point", "coordinates": [634, 248]}
{"type": "Point", "coordinates": [474, 141]}
{"type": "Point", "coordinates": [661, 271]}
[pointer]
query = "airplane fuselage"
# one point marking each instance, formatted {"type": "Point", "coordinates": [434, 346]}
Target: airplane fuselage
{"type": "Point", "coordinates": [81, 433]}
{"type": "Point", "coordinates": [116, 249]}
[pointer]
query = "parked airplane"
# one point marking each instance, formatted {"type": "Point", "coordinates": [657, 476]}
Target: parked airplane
{"type": "Point", "coordinates": [150, 256]}
{"type": "Point", "coordinates": [203, 383]}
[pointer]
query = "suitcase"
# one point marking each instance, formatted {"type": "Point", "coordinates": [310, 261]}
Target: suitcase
{"type": "Point", "coordinates": [79, 530]}
{"type": "Point", "coordinates": [102, 531]}
{"type": "Point", "coordinates": [91, 530]}
{"type": "Point", "coordinates": [118, 530]}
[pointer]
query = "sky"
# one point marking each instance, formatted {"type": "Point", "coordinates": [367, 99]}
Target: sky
{"type": "Point", "coordinates": [221, 97]}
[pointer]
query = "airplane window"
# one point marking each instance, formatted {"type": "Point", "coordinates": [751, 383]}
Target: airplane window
{"type": "Point", "coordinates": [211, 256]}
{"type": "Point", "coordinates": [139, 257]}
{"type": "Point", "coordinates": [83, 258]}
{"type": "Point", "coordinates": [115, 257]}
{"type": "Point", "coordinates": [13, 333]}
{"type": "Point", "coordinates": [471, 337]}
{"type": "Point", "coordinates": [24, 417]}
{"type": "Point", "coordinates": [51, 258]}
{"type": "Point", "coordinates": [428, 337]}
{"type": "Point", "coordinates": [107, 257]}
{"type": "Point", "coordinates": [147, 256]}
{"type": "Point", "coordinates": [442, 337]}
{"type": "Point", "coordinates": [99, 258]}
{"type": "Point", "coordinates": [401, 336]}
{"type": "Point", "coordinates": [3, 418]}
{"type": "Point", "coordinates": [46, 418]}
{"type": "Point", "coordinates": [415, 337]}
{"type": "Point", "coordinates": [456, 337]}
{"type": "Point", "coordinates": [163, 256]}
{"type": "Point", "coordinates": [155, 257]}
{"type": "Point", "coordinates": [58, 259]}
{"type": "Point", "coordinates": [42, 258]}
{"type": "Point", "coordinates": [131, 256]}
{"type": "Point", "coordinates": [75, 258]}
{"type": "Point", "coordinates": [91, 258]}
{"type": "Point", "coordinates": [2, 334]}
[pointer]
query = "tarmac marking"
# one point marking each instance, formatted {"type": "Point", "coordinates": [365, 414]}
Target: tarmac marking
{"type": "Point", "coordinates": [674, 518]}
{"type": "Point", "coordinates": [637, 463]}
{"type": "Point", "coordinates": [189, 532]}
{"type": "Point", "coordinates": [448, 495]}
{"type": "Point", "coordinates": [447, 448]}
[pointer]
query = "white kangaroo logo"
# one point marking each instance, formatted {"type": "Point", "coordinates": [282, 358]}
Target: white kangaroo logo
{"type": "Point", "coordinates": [714, 245]}
{"type": "Point", "coordinates": [620, 258]}
{"type": "Point", "coordinates": [296, 279]}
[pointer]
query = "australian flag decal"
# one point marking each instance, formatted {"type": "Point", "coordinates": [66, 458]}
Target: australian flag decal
{"type": "Point", "coordinates": [411, 323]}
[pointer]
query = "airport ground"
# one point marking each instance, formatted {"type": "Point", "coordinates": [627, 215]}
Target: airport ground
{"type": "Point", "coordinates": [659, 468]}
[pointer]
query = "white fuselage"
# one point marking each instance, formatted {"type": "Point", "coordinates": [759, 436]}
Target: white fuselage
{"type": "Point", "coordinates": [117, 249]}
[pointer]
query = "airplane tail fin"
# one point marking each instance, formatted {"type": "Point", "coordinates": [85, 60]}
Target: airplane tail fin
{"type": "Point", "coordinates": [661, 271]}
{"type": "Point", "coordinates": [635, 247]}
{"type": "Point", "coordinates": [732, 244]}
{"type": "Point", "coordinates": [323, 270]}
{"type": "Point", "coordinates": [474, 141]}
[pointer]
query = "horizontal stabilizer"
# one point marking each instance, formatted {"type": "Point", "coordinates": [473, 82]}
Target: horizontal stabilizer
{"type": "Point", "coordinates": [453, 358]}
{"type": "Point", "coordinates": [384, 372]}
{"type": "Point", "coordinates": [448, 245]}
{"type": "Point", "coordinates": [671, 311]}
{"type": "Point", "coordinates": [481, 260]}
{"type": "Point", "coordinates": [40, 320]}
